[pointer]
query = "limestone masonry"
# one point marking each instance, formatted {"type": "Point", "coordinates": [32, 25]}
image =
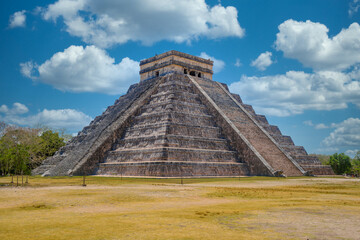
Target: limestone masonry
{"type": "Point", "coordinates": [178, 122]}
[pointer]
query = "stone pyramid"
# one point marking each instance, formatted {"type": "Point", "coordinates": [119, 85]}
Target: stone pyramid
{"type": "Point", "coordinates": [179, 122]}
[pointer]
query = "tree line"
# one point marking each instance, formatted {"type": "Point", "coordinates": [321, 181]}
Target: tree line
{"type": "Point", "coordinates": [342, 163]}
{"type": "Point", "coordinates": [23, 149]}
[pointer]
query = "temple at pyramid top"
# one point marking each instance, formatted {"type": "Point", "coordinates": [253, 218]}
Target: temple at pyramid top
{"type": "Point", "coordinates": [175, 62]}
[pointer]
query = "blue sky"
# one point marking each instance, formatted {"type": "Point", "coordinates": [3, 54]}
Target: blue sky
{"type": "Point", "coordinates": [298, 62]}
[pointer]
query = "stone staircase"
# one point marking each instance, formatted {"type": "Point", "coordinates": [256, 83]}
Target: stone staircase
{"type": "Point", "coordinates": [173, 135]}
{"type": "Point", "coordinates": [262, 142]}
{"type": "Point", "coordinates": [309, 163]}
{"type": "Point", "coordinates": [258, 147]}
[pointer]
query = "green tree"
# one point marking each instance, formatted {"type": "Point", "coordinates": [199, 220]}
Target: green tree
{"type": "Point", "coordinates": [355, 164]}
{"type": "Point", "coordinates": [21, 158]}
{"type": "Point", "coordinates": [6, 162]}
{"type": "Point", "coordinates": [49, 143]}
{"type": "Point", "coordinates": [340, 163]}
{"type": "Point", "coordinates": [15, 145]}
{"type": "Point", "coordinates": [23, 149]}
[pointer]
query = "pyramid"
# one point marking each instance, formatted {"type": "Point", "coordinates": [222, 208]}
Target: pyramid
{"type": "Point", "coordinates": [178, 122]}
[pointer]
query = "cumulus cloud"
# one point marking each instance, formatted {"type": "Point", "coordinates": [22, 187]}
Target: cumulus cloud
{"type": "Point", "coordinates": [89, 69]}
{"type": "Point", "coordinates": [333, 84]}
{"type": "Point", "coordinates": [346, 134]}
{"type": "Point", "coordinates": [218, 64]}
{"type": "Point", "coordinates": [58, 119]}
{"type": "Point", "coordinates": [17, 108]}
{"type": "Point", "coordinates": [18, 19]}
{"type": "Point", "coordinates": [61, 118]}
{"type": "Point", "coordinates": [263, 61]}
{"type": "Point", "coordinates": [109, 22]}
{"type": "Point", "coordinates": [296, 91]}
{"type": "Point", "coordinates": [309, 43]}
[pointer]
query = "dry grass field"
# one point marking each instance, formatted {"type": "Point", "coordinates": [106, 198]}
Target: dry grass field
{"type": "Point", "coordinates": [130, 208]}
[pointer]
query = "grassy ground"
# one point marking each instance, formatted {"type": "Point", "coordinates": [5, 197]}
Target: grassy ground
{"type": "Point", "coordinates": [222, 208]}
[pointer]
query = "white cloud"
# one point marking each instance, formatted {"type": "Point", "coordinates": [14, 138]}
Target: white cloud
{"type": "Point", "coordinates": [354, 7]}
{"type": "Point", "coordinates": [238, 63]}
{"type": "Point", "coordinates": [346, 134]}
{"type": "Point", "coordinates": [65, 8]}
{"type": "Point", "coordinates": [109, 22]}
{"type": "Point", "coordinates": [17, 108]}
{"type": "Point", "coordinates": [294, 92]}
{"type": "Point", "coordinates": [263, 61]}
{"type": "Point", "coordinates": [218, 64]}
{"type": "Point", "coordinates": [4, 108]}
{"type": "Point", "coordinates": [18, 19]}
{"type": "Point", "coordinates": [334, 83]}
{"type": "Point", "coordinates": [63, 118]}
{"type": "Point", "coordinates": [309, 43]}
{"type": "Point", "coordinates": [28, 69]}
{"type": "Point", "coordinates": [88, 69]}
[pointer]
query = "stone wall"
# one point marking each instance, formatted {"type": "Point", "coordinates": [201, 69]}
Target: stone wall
{"type": "Point", "coordinates": [177, 62]}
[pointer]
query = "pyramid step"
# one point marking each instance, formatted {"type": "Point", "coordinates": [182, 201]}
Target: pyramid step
{"type": "Point", "coordinates": [173, 169]}
{"type": "Point", "coordinates": [174, 86]}
{"type": "Point", "coordinates": [175, 82]}
{"type": "Point", "coordinates": [169, 153]}
{"type": "Point", "coordinates": [294, 150]}
{"type": "Point", "coordinates": [319, 169]}
{"type": "Point", "coordinates": [272, 130]}
{"type": "Point", "coordinates": [175, 117]}
{"type": "Point", "coordinates": [175, 95]}
{"type": "Point", "coordinates": [146, 130]}
{"type": "Point", "coordinates": [42, 169]}
{"type": "Point", "coordinates": [173, 141]}
{"type": "Point", "coordinates": [307, 160]}
{"type": "Point", "coordinates": [261, 119]}
{"type": "Point", "coordinates": [174, 129]}
{"type": "Point", "coordinates": [174, 106]}
{"type": "Point", "coordinates": [175, 102]}
{"type": "Point", "coordinates": [283, 140]}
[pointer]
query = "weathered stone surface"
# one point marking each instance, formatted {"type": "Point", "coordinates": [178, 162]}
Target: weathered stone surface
{"type": "Point", "coordinates": [82, 154]}
{"type": "Point", "coordinates": [172, 133]}
{"type": "Point", "coordinates": [175, 125]}
{"type": "Point", "coordinates": [174, 169]}
{"type": "Point", "coordinates": [261, 149]}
